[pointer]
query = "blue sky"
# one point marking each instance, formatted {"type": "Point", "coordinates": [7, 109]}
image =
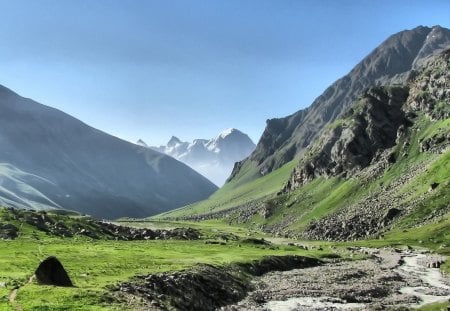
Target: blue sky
{"type": "Point", "coordinates": [152, 69]}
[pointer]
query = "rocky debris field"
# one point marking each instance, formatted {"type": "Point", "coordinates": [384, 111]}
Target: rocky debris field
{"type": "Point", "coordinates": [368, 217]}
{"type": "Point", "coordinates": [204, 287]}
{"type": "Point", "coordinates": [386, 279]}
{"type": "Point", "coordinates": [70, 226]}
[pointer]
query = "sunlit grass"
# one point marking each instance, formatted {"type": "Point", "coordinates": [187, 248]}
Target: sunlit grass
{"type": "Point", "coordinates": [93, 265]}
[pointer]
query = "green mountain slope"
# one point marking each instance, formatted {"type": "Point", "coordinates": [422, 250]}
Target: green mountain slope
{"type": "Point", "coordinates": [287, 138]}
{"type": "Point", "coordinates": [384, 166]}
{"type": "Point", "coordinates": [238, 193]}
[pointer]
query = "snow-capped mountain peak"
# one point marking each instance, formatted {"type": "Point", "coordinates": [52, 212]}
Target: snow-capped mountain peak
{"type": "Point", "coordinates": [173, 141]}
{"type": "Point", "coordinates": [213, 158]}
{"type": "Point", "coordinates": [227, 132]}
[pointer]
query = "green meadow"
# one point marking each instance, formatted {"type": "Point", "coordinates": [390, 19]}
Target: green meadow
{"type": "Point", "coordinates": [97, 265]}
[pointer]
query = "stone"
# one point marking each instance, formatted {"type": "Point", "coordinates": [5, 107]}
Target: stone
{"type": "Point", "coordinates": [392, 213]}
{"type": "Point", "coordinates": [8, 231]}
{"type": "Point", "coordinates": [52, 272]}
{"type": "Point", "coordinates": [433, 186]}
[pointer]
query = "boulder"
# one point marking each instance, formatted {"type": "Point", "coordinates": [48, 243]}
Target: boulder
{"type": "Point", "coordinates": [433, 186]}
{"type": "Point", "coordinates": [52, 272]}
{"type": "Point", "coordinates": [8, 231]}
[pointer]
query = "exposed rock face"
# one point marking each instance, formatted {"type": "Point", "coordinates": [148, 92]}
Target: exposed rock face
{"type": "Point", "coordinates": [391, 62]}
{"type": "Point", "coordinates": [358, 138]}
{"type": "Point", "coordinates": [430, 88]}
{"type": "Point", "coordinates": [204, 287]}
{"type": "Point", "coordinates": [8, 231]}
{"type": "Point", "coordinates": [213, 158]}
{"type": "Point", "coordinates": [380, 131]}
{"type": "Point", "coordinates": [49, 159]}
{"type": "Point", "coordinates": [376, 123]}
{"type": "Point", "coordinates": [63, 226]}
{"type": "Point", "coordinates": [51, 272]}
{"type": "Point", "coordinates": [430, 93]}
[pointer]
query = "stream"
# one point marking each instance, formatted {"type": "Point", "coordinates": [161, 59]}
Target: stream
{"type": "Point", "coordinates": [433, 289]}
{"type": "Point", "coordinates": [386, 279]}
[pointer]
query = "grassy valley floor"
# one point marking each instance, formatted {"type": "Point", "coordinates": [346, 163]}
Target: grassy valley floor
{"type": "Point", "coordinates": [98, 266]}
{"type": "Point", "coordinates": [95, 265]}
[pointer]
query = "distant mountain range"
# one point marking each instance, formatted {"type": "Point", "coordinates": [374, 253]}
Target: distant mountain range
{"type": "Point", "coordinates": [213, 158]}
{"type": "Point", "coordinates": [49, 159]}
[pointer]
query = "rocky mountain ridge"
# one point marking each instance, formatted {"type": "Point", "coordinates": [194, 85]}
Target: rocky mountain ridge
{"type": "Point", "coordinates": [390, 63]}
{"type": "Point", "coordinates": [377, 123]}
{"type": "Point", "coordinates": [383, 164]}
{"type": "Point", "coordinates": [356, 140]}
{"type": "Point", "coordinates": [213, 158]}
{"type": "Point", "coordinates": [376, 137]}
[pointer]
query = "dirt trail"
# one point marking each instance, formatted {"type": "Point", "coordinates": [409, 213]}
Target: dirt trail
{"type": "Point", "coordinates": [13, 295]}
{"type": "Point", "coordinates": [12, 300]}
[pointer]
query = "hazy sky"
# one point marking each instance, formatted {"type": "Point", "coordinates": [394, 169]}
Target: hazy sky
{"type": "Point", "coordinates": [152, 69]}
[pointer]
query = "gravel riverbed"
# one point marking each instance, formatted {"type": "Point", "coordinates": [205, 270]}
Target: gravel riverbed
{"type": "Point", "coordinates": [388, 279]}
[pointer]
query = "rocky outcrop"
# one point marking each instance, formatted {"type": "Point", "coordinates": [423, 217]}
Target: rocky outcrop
{"type": "Point", "coordinates": [437, 143]}
{"type": "Point", "coordinates": [203, 287]}
{"type": "Point", "coordinates": [128, 233]}
{"type": "Point", "coordinates": [52, 272]}
{"type": "Point", "coordinates": [361, 145]}
{"type": "Point", "coordinates": [8, 231]}
{"type": "Point", "coordinates": [374, 213]}
{"type": "Point", "coordinates": [391, 62]}
{"type": "Point", "coordinates": [64, 226]}
{"type": "Point", "coordinates": [430, 94]}
{"type": "Point", "coordinates": [357, 139]}
{"type": "Point", "coordinates": [430, 88]}
{"type": "Point", "coordinates": [377, 122]}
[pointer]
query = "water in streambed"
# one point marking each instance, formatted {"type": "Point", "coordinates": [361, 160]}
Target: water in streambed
{"type": "Point", "coordinates": [318, 303]}
{"type": "Point", "coordinates": [426, 284]}
{"type": "Point", "coordinates": [433, 288]}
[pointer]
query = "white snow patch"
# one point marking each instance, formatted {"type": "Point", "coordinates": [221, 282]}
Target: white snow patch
{"type": "Point", "coordinates": [226, 132]}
